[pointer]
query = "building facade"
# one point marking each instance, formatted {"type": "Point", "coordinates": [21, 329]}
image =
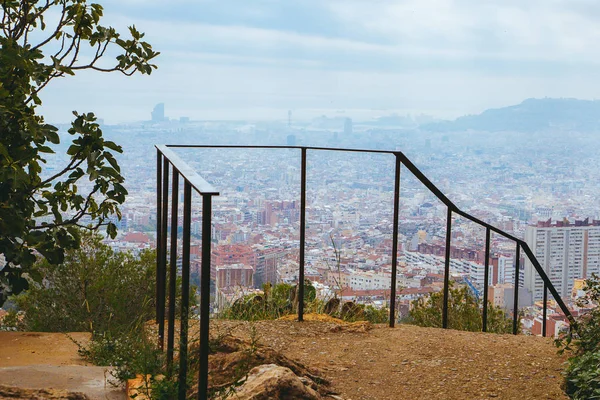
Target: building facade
{"type": "Point", "coordinates": [566, 251]}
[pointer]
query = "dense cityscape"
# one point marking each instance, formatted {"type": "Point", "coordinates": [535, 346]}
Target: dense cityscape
{"type": "Point", "coordinates": [535, 186]}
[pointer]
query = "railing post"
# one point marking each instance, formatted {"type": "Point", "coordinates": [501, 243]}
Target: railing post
{"type": "Point", "coordinates": [302, 236]}
{"type": "Point", "coordinates": [395, 241]}
{"type": "Point", "coordinates": [172, 270]}
{"type": "Point", "coordinates": [447, 268]}
{"type": "Point", "coordinates": [163, 256]}
{"type": "Point", "coordinates": [205, 295]}
{"type": "Point", "coordinates": [545, 312]}
{"type": "Point", "coordinates": [516, 280]}
{"type": "Point", "coordinates": [486, 279]}
{"type": "Point", "coordinates": [185, 290]}
{"type": "Point", "coordinates": [159, 159]}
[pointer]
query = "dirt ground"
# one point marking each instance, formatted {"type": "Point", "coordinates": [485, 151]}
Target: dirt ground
{"type": "Point", "coordinates": [37, 348]}
{"type": "Point", "coordinates": [47, 366]}
{"type": "Point", "coordinates": [406, 362]}
{"type": "Point", "coordinates": [409, 362]}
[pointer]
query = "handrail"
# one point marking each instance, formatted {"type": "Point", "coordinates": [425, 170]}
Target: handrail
{"type": "Point", "coordinates": [425, 181]}
{"type": "Point", "coordinates": [197, 182]}
{"type": "Point", "coordinates": [191, 179]}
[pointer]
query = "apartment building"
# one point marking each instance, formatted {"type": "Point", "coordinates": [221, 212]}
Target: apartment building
{"type": "Point", "coordinates": [566, 251]}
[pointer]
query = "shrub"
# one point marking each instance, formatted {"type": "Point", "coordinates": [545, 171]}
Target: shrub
{"type": "Point", "coordinates": [582, 375]}
{"type": "Point", "coordinates": [280, 300]}
{"type": "Point", "coordinates": [94, 290]}
{"type": "Point", "coordinates": [464, 312]}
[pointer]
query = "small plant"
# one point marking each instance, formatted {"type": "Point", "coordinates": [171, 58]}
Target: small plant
{"type": "Point", "coordinates": [129, 354]}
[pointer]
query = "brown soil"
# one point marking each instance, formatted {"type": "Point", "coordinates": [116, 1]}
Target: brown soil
{"type": "Point", "coordinates": [37, 348]}
{"type": "Point", "coordinates": [36, 365]}
{"type": "Point", "coordinates": [362, 361]}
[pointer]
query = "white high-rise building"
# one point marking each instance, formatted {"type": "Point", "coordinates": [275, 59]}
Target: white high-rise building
{"type": "Point", "coordinates": [566, 252]}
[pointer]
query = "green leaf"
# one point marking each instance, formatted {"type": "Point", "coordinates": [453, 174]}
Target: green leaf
{"type": "Point", "coordinates": [25, 200]}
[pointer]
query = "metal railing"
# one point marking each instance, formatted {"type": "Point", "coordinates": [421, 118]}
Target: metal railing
{"type": "Point", "coordinates": [166, 157]}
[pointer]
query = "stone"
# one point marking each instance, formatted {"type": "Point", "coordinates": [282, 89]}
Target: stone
{"type": "Point", "coordinates": [270, 381]}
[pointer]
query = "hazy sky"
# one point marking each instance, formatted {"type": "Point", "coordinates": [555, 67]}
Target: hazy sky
{"type": "Point", "coordinates": [227, 59]}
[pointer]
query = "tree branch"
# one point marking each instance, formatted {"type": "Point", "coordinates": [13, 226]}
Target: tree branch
{"type": "Point", "coordinates": [61, 24]}
{"type": "Point", "coordinates": [75, 219]}
{"type": "Point", "coordinates": [72, 166]}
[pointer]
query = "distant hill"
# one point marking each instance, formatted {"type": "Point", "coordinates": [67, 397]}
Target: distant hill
{"type": "Point", "coordinates": [529, 116]}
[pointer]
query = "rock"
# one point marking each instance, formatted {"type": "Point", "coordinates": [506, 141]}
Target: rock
{"type": "Point", "coordinates": [308, 382]}
{"type": "Point", "coordinates": [270, 381]}
{"type": "Point", "coordinates": [7, 392]}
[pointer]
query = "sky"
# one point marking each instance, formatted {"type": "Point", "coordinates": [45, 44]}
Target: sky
{"type": "Point", "coordinates": [256, 59]}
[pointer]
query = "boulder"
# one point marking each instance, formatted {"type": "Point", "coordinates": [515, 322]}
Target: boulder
{"type": "Point", "coordinates": [270, 381]}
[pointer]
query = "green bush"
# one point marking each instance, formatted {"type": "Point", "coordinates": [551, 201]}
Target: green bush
{"type": "Point", "coordinates": [129, 354]}
{"type": "Point", "coordinates": [94, 290]}
{"type": "Point", "coordinates": [280, 300]}
{"type": "Point", "coordinates": [582, 375]}
{"type": "Point", "coordinates": [464, 312]}
{"type": "Point", "coordinates": [275, 302]}
{"type": "Point", "coordinates": [377, 315]}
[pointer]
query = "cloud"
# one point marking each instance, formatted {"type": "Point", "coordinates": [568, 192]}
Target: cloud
{"type": "Point", "coordinates": [445, 57]}
{"type": "Point", "coordinates": [538, 29]}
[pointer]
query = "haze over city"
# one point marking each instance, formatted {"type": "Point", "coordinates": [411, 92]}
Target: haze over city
{"type": "Point", "coordinates": [256, 60]}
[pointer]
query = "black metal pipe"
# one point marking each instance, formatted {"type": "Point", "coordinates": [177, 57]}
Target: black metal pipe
{"type": "Point", "coordinates": [193, 181]}
{"type": "Point", "coordinates": [158, 225]}
{"type": "Point", "coordinates": [198, 183]}
{"type": "Point", "coordinates": [205, 296]}
{"type": "Point", "coordinates": [516, 299]}
{"type": "Point", "coordinates": [185, 290]}
{"type": "Point", "coordinates": [486, 279]}
{"type": "Point", "coordinates": [238, 146]}
{"type": "Point", "coordinates": [545, 312]}
{"type": "Point", "coordinates": [486, 225]}
{"type": "Point", "coordinates": [300, 290]}
{"type": "Point", "coordinates": [163, 256]}
{"type": "Point", "coordinates": [395, 242]}
{"type": "Point", "coordinates": [447, 269]}
{"type": "Point", "coordinates": [172, 270]}
{"type": "Point", "coordinates": [405, 161]}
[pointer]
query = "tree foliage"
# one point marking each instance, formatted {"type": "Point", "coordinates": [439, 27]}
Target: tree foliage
{"type": "Point", "coordinates": [95, 290]}
{"type": "Point", "coordinates": [39, 214]}
{"type": "Point", "coordinates": [582, 376]}
{"type": "Point", "coordinates": [464, 312]}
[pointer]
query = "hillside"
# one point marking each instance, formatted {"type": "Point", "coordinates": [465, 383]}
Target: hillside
{"type": "Point", "coordinates": [530, 116]}
{"type": "Point", "coordinates": [406, 362]}
{"type": "Point", "coordinates": [410, 362]}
